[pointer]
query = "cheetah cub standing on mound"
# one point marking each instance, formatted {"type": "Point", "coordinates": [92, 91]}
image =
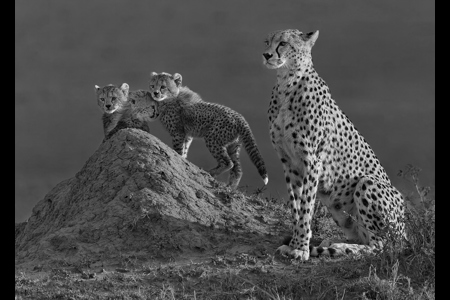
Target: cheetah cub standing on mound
{"type": "Point", "coordinates": [324, 155]}
{"type": "Point", "coordinates": [113, 102]}
{"type": "Point", "coordinates": [185, 116]}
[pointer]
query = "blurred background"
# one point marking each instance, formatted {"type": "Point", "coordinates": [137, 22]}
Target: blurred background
{"type": "Point", "coordinates": [377, 57]}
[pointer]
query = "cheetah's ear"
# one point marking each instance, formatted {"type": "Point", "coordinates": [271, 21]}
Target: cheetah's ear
{"type": "Point", "coordinates": [125, 88]}
{"type": "Point", "coordinates": [311, 37]}
{"type": "Point", "coordinates": [97, 89]}
{"type": "Point", "coordinates": [297, 32]}
{"type": "Point", "coordinates": [177, 78]}
{"type": "Point", "coordinates": [153, 74]}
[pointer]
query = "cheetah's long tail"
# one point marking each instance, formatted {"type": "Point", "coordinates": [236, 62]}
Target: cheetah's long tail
{"type": "Point", "coordinates": [250, 146]}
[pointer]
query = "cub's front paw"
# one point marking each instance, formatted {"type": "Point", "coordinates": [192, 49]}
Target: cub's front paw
{"type": "Point", "coordinates": [294, 253]}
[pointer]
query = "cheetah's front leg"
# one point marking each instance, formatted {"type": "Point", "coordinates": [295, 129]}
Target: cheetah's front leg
{"type": "Point", "coordinates": [294, 201]}
{"type": "Point", "coordinates": [186, 144]}
{"type": "Point", "coordinates": [304, 182]}
{"type": "Point", "coordinates": [178, 143]}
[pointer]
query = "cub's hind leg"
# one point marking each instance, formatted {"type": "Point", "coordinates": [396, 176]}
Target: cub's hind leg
{"type": "Point", "coordinates": [220, 153]}
{"type": "Point", "coordinates": [186, 144]}
{"type": "Point", "coordinates": [233, 151]}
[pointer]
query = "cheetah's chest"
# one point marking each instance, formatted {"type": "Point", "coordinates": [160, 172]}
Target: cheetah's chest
{"type": "Point", "coordinates": [284, 132]}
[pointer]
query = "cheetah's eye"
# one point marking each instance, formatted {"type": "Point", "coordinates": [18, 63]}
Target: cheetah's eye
{"type": "Point", "coordinates": [133, 101]}
{"type": "Point", "coordinates": [152, 86]}
{"type": "Point", "coordinates": [283, 44]}
{"type": "Point", "coordinates": [113, 98]}
{"type": "Point", "coordinates": [102, 99]}
{"type": "Point", "coordinates": [163, 87]}
{"type": "Point", "coordinates": [266, 42]}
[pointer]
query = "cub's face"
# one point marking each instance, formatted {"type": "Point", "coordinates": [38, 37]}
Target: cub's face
{"type": "Point", "coordinates": [163, 85]}
{"type": "Point", "coordinates": [288, 48]}
{"type": "Point", "coordinates": [111, 98]}
{"type": "Point", "coordinates": [143, 107]}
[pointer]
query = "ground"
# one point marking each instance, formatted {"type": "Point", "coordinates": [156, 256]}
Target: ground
{"type": "Point", "coordinates": [224, 252]}
{"type": "Point", "coordinates": [242, 266]}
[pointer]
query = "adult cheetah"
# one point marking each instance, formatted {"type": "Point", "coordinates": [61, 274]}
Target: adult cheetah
{"type": "Point", "coordinates": [324, 155]}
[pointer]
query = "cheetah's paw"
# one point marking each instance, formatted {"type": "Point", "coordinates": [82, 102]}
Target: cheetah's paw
{"type": "Point", "coordinates": [328, 242]}
{"type": "Point", "coordinates": [294, 253]}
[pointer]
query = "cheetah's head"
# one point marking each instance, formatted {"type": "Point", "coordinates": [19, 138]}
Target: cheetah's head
{"type": "Point", "coordinates": [288, 48]}
{"type": "Point", "coordinates": [164, 85]}
{"type": "Point", "coordinates": [143, 107]}
{"type": "Point", "coordinates": [111, 98]}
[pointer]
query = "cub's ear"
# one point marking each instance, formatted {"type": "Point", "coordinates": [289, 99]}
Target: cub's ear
{"type": "Point", "coordinates": [97, 88]}
{"type": "Point", "coordinates": [125, 88]}
{"type": "Point", "coordinates": [177, 78]}
{"type": "Point", "coordinates": [311, 37]}
{"type": "Point", "coordinates": [297, 32]}
{"type": "Point", "coordinates": [153, 74]}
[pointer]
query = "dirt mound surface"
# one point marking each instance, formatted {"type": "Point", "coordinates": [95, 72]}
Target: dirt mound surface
{"type": "Point", "coordinates": [136, 196]}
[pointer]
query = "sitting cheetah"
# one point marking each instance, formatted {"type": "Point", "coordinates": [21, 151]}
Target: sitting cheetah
{"type": "Point", "coordinates": [185, 116]}
{"type": "Point", "coordinates": [113, 102]}
{"type": "Point", "coordinates": [324, 155]}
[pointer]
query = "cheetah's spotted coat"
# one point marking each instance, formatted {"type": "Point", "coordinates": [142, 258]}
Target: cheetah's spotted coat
{"type": "Point", "coordinates": [113, 102]}
{"type": "Point", "coordinates": [324, 155]}
{"type": "Point", "coordinates": [186, 116]}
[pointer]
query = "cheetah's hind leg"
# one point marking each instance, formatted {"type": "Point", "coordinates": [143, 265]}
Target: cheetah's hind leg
{"type": "Point", "coordinates": [379, 204]}
{"type": "Point", "coordinates": [221, 155]}
{"type": "Point", "coordinates": [371, 197]}
{"type": "Point", "coordinates": [233, 151]}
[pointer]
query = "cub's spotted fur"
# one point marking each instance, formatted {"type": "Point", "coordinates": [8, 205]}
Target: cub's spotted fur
{"type": "Point", "coordinates": [185, 116]}
{"type": "Point", "coordinates": [113, 102]}
{"type": "Point", "coordinates": [323, 154]}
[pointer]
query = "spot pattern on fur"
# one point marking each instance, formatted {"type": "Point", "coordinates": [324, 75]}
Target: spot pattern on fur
{"type": "Point", "coordinates": [323, 153]}
{"type": "Point", "coordinates": [113, 102]}
{"type": "Point", "coordinates": [186, 116]}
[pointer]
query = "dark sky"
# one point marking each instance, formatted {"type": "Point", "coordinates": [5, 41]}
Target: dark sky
{"type": "Point", "coordinates": [377, 57]}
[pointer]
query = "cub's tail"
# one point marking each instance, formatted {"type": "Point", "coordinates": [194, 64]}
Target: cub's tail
{"type": "Point", "coordinates": [250, 146]}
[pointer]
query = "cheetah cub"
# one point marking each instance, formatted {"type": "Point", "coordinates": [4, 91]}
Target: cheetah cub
{"type": "Point", "coordinates": [113, 102]}
{"type": "Point", "coordinates": [186, 116]}
{"type": "Point", "coordinates": [324, 155]}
